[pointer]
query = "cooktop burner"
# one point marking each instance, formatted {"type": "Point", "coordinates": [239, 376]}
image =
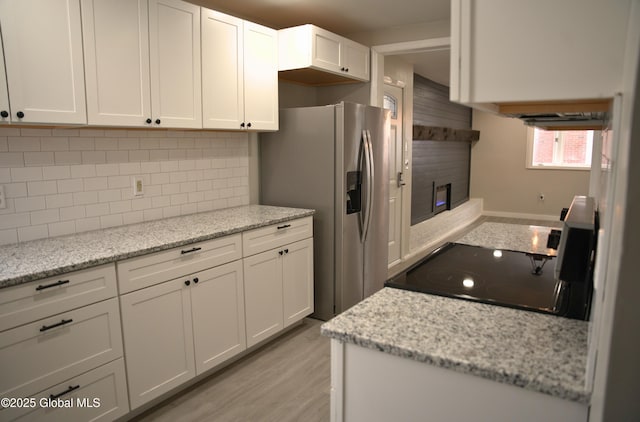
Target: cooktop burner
{"type": "Point", "coordinates": [508, 278]}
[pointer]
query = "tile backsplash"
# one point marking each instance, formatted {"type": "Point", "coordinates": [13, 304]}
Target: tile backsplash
{"type": "Point", "coordinates": [64, 181]}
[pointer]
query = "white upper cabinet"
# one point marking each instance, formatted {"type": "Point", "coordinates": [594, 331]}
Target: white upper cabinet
{"type": "Point", "coordinates": [5, 112]}
{"type": "Point", "coordinates": [43, 56]}
{"type": "Point", "coordinates": [174, 39]}
{"type": "Point", "coordinates": [117, 62]}
{"type": "Point", "coordinates": [506, 51]}
{"type": "Point", "coordinates": [307, 48]}
{"type": "Point", "coordinates": [239, 73]}
{"type": "Point", "coordinates": [147, 72]}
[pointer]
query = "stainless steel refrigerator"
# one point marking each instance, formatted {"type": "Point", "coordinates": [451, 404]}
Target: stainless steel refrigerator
{"type": "Point", "coordinates": [334, 159]}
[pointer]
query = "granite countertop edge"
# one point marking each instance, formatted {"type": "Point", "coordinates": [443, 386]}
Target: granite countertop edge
{"type": "Point", "coordinates": [84, 263]}
{"type": "Point", "coordinates": [460, 366]}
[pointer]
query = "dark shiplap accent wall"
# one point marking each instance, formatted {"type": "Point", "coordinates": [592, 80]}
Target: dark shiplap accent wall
{"type": "Point", "coordinates": [431, 106]}
{"type": "Point", "coordinates": [441, 162]}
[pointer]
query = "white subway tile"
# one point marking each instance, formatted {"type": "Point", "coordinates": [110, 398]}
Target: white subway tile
{"type": "Point", "coordinates": [141, 204]}
{"type": "Point", "coordinates": [38, 159]}
{"type": "Point", "coordinates": [133, 217]}
{"type": "Point", "coordinates": [96, 210]}
{"type": "Point", "coordinates": [128, 143]}
{"type": "Point", "coordinates": [205, 206]}
{"type": "Point", "coordinates": [4, 144]}
{"type": "Point", "coordinates": [186, 143]}
{"type": "Point", "coordinates": [210, 174]}
{"type": "Point", "coordinates": [29, 204]}
{"type": "Point", "coordinates": [153, 214]}
{"type": "Point", "coordinates": [84, 170]}
{"type": "Point", "coordinates": [158, 155]}
{"type": "Point", "coordinates": [9, 131]}
{"type": "Point", "coordinates": [114, 220]}
{"type": "Point", "coordinates": [62, 228]}
{"type": "Point", "coordinates": [15, 190]}
{"type": "Point", "coordinates": [195, 175]}
{"type": "Point", "coordinates": [179, 199]}
{"type": "Point", "coordinates": [241, 191]}
{"type": "Point", "coordinates": [172, 211]}
{"type": "Point", "coordinates": [218, 163]}
{"type": "Point", "coordinates": [129, 168]}
{"type": "Point", "coordinates": [45, 216]}
{"type": "Point", "coordinates": [26, 174]}
{"type": "Point", "coordinates": [177, 154]}
{"type": "Point", "coordinates": [178, 177]}
{"type": "Point", "coordinates": [196, 197]}
{"type": "Point", "coordinates": [68, 157]}
{"type": "Point", "coordinates": [226, 193]}
{"type": "Point", "coordinates": [28, 131]}
{"type": "Point", "coordinates": [5, 175]}
{"type": "Point", "coordinates": [210, 195]}
{"type": "Point", "coordinates": [160, 201]}
{"type": "Point", "coordinates": [94, 157]}
{"type": "Point", "coordinates": [203, 164]}
{"type": "Point", "coordinates": [117, 156]}
{"type": "Point", "coordinates": [59, 201]}
{"type": "Point", "coordinates": [119, 182]}
{"type": "Point", "coordinates": [87, 224]}
{"type": "Point", "coordinates": [70, 185]}
{"type": "Point", "coordinates": [150, 167]}
{"type": "Point", "coordinates": [85, 198]}
{"type": "Point", "coordinates": [149, 143]}
{"type": "Point", "coordinates": [107, 169]}
{"type": "Point", "coordinates": [82, 143]}
{"type": "Point", "coordinates": [171, 189]}
{"type": "Point", "coordinates": [139, 155]}
{"type": "Point", "coordinates": [9, 236]}
{"type": "Point", "coordinates": [186, 165]}
{"type": "Point", "coordinates": [225, 173]}
{"type": "Point", "coordinates": [160, 178]}
{"type": "Point", "coordinates": [23, 143]}
{"type": "Point", "coordinates": [119, 207]}
{"type": "Point", "coordinates": [56, 172]}
{"type": "Point", "coordinates": [187, 187]}
{"type": "Point", "coordinates": [220, 183]}
{"type": "Point", "coordinates": [12, 221]}
{"type": "Point", "coordinates": [92, 132]}
{"type": "Point", "coordinates": [240, 171]}
{"type": "Point", "coordinates": [203, 185]}
{"type": "Point", "coordinates": [109, 195]}
{"type": "Point", "coordinates": [219, 204]}
{"type": "Point", "coordinates": [48, 187]}
{"type": "Point", "coordinates": [153, 190]}
{"type": "Point", "coordinates": [54, 144]}
{"type": "Point", "coordinates": [32, 233]}
{"type": "Point", "coordinates": [168, 144]}
{"type": "Point", "coordinates": [65, 132]}
{"type": "Point", "coordinates": [95, 183]}
{"type": "Point", "coordinates": [11, 159]}
{"type": "Point", "coordinates": [188, 209]}
{"type": "Point", "coordinates": [106, 144]}
{"type": "Point", "coordinates": [72, 213]}
{"type": "Point", "coordinates": [235, 202]}
{"type": "Point", "coordinates": [194, 154]}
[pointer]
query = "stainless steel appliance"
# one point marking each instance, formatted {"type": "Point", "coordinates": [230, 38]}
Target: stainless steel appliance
{"type": "Point", "coordinates": [334, 159]}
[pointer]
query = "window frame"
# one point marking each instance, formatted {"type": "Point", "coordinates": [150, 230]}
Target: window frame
{"type": "Point", "coordinates": [529, 154]}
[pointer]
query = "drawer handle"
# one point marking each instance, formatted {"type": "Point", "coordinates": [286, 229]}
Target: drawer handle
{"type": "Point", "coordinates": [67, 391]}
{"type": "Point", "coordinates": [63, 322]}
{"type": "Point", "coordinates": [189, 250]}
{"type": "Point", "coordinates": [47, 286]}
{"type": "Point", "coordinates": [284, 227]}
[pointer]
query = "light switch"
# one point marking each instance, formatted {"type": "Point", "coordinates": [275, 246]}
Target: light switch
{"type": "Point", "coordinates": [138, 186]}
{"type": "Point", "coordinates": [3, 199]}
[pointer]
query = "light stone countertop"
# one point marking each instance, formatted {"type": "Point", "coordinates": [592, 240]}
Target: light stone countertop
{"type": "Point", "coordinates": [513, 237]}
{"type": "Point", "coordinates": [28, 261]}
{"type": "Point", "coordinates": [538, 352]}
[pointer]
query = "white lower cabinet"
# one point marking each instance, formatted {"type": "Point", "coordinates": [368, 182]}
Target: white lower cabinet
{"type": "Point", "coordinates": [180, 328]}
{"type": "Point", "coordinates": [278, 289]}
{"type": "Point", "coordinates": [98, 395]}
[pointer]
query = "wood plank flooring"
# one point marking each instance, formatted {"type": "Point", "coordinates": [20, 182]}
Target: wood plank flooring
{"type": "Point", "coordinates": [285, 380]}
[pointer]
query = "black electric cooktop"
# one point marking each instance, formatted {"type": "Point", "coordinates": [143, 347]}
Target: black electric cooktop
{"type": "Point", "coordinates": [499, 277]}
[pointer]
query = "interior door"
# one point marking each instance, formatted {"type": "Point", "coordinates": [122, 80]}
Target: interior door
{"type": "Point", "coordinates": [393, 97]}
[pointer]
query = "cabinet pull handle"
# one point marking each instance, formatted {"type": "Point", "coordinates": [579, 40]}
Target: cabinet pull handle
{"type": "Point", "coordinates": [183, 252]}
{"type": "Point", "coordinates": [48, 327]}
{"type": "Point", "coordinates": [286, 251]}
{"type": "Point", "coordinates": [20, 115]}
{"type": "Point", "coordinates": [284, 226]}
{"type": "Point", "coordinates": [67, 391]}
{"type": "Point", "coordinates": [196, 279]}
{"type": "Point", "coordinates": [148, 121]}
{"type": "Point", "coordinates": [157, 121]}
{"type": "Point", "coordinates": [242, 124]}
{"type": "Point", "coordinates": [186, 283]}
{"type": "Point", "coordinates": [249, 124]}
{"type": "Point", "coordinates": [4, 113]}
{"type": "Point", "coordinates": [47, 286]}
{"type": "Point", "coordinates": [280, 253]}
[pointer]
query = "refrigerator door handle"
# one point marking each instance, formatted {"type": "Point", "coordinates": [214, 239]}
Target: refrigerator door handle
{"type": "Point", "coordinates": [370, 174]}
{"type": "Point", "coordinates": [362, 158]}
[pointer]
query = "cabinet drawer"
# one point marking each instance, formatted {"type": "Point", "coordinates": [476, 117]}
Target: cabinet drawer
{"type": "Point", "coordinates": [39, 299]}
{"type": "Point", "coordinates": [98, 395]}
{"type": "Point", "coordinates": [137, 273]}
{"type": "Point", "coordinates": [270, 237]}
{"type": "Point", "coordinates": [38, 355]}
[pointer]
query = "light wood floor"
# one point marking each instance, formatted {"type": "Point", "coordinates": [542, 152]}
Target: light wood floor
{"type": "Point", "coordinates": [286, 380]}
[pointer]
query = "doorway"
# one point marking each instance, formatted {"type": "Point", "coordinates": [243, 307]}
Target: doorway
{"type": "Point", "coordinates": [393, 99]}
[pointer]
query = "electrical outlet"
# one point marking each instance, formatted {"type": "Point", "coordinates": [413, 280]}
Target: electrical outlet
{"type": "Point", "coordinates": [3, 199]}
{"type": "Point", "coordinates": [138, 186]}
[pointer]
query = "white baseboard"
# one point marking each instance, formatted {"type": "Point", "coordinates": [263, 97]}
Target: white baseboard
{"type": "Point", "coordinates": [521, 215]}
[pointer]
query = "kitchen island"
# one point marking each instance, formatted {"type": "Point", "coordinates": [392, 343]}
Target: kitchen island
{"type": "Point", "coordinates": [410, 356]}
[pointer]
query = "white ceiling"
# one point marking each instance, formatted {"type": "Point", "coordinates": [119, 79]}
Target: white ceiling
{"type": "Point", "coordinates": [346, 17]}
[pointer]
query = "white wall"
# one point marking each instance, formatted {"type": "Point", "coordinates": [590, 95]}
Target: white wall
{"type": "Point", "coordinates": [499, 175]}
{"type": "Point", "coordinates": [64, 181]}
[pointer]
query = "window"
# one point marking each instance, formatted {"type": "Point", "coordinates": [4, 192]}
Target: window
{"type": "Point", "coordinates": [559, 149]}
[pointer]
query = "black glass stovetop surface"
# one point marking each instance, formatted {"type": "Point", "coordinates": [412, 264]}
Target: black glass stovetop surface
{"type": "Point", "coordinates": [498, 277]}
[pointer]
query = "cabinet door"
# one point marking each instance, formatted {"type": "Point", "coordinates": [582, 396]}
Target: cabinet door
{"type": "Point", "coordinates": [356, 60]}
{"type": "Point", "coordinates": [217, 308]}
{"type": "Point", "coordinates": [158, 338]}
{"type": "Point", "coordinates": [297, 281]}
{"type": "Point", "coordinates": [263, 295]}
{"type": "Point", "coordinates": [117, 62]}
{"type": "Point", "coordinates": [4, 94]}
{"type": "Point", "coordinates": [43, 57]}
{"type": "Point", "coordinates": [174, 40]}
{"type": "Point", "coordinates": [326, 52]}
{"type": "Point", "coordinates": [260, 77]}
{"type": "Point", "coordinates": [222, 71]}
